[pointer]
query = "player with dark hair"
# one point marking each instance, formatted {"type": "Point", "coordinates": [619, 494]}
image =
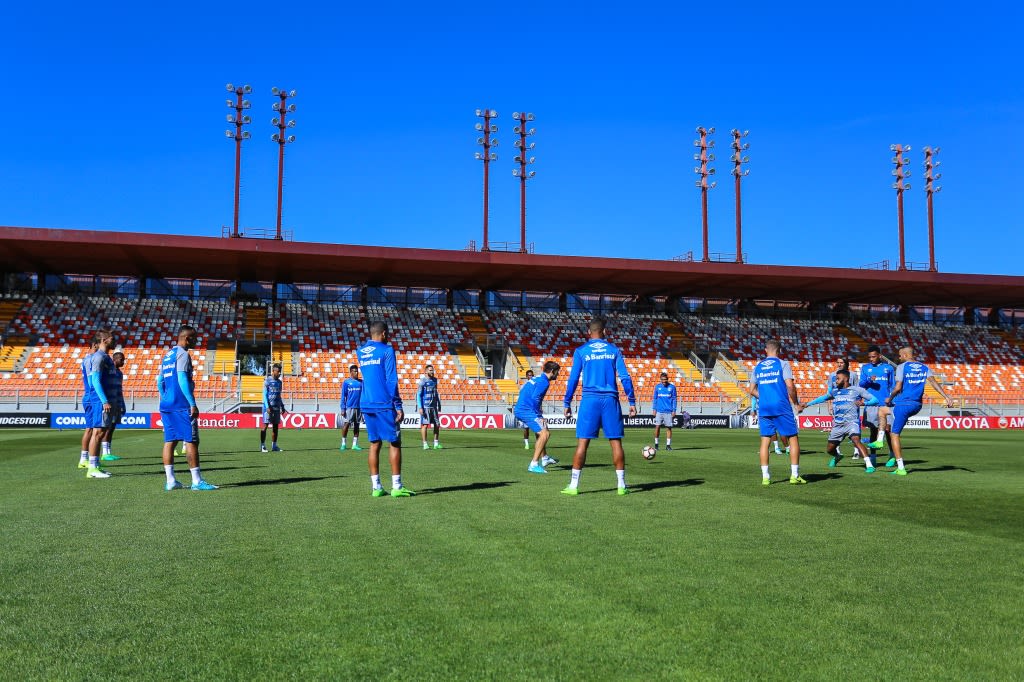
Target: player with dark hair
{"type": "Point", "coordinates": [382, 408]}
{"type": "Point", "coordinates": [104, 412]}
{"type": "Point", "coordinates": [879, 378]}
{"type": "Point", "coordinates": [845, 417]}
{"type": "Point", "coordinates": [178, 410]}
{"type": "Point", "coordinates": [842, 363]}
{"type": "Point", "coordinates": [663, 406]}
{"type": "Point", "coordinates": [428, 402]}
{"type": "Point", "coordinates": [273, 407]}
{"type": "Point", "coordinates": [529, 410]}
{"type": "Point", "coordinates": [117, 402]}
{"type": "Point", "coordinates": [351, 389]}
{"type": "Point", "coordinates": [88, 406]}
{"type": "Point", "coordinates": [598, 362]}
{"type": "Point", "coordinates": [526, 427]}
{"type": "Point", "coordinates": [772, 384]}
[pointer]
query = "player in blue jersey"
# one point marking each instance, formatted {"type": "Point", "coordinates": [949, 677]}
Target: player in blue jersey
{"type": "Point", "coordinates": [842, 364]}
{"type": "Point", "coordinates": [351, 389]}
{"type": "Point", "coordinates": [117, 402]}
{"type": "Point", "coordinates": [776, 438]}
{"type": "Point", "coordinates": [663, 407]}
{"type": "Point", "coordinates": [179, 412]}
{"type": "Point", "coordinates": [100, 369]}
{"type": "Point", "coordinates": [273, 408]}
{"type": "Point", "coordinates": [846, 401]}
{"type": "Point", "coordinates": [598, 362]}
{"type": "Point", "coordinates": [88, 405]}
{"type": "Point", "coordinates": [526, 427]}
{"type": "Point", "coordinates": [904, 401]}
{"type": "Point", "coordinates": [878, 377]}
{"type": "Point", "coordinates": [530, 411]}
{"type": "Point", "coordinates": [428, 402]}
{"type": "Point", "coordinates": [771, 383]}
{"type": "Point", "coordinates": [382, 408]}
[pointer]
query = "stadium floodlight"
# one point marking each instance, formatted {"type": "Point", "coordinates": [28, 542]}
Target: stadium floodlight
{"type": "Point", "coordinates": [274, 137]}
{"type": "Point", "coordinates": [291, 108]}
{"type": "Point", "coordinates": [479, 113]}
{"type": "Point", "coordinates": [292, 93]}
{"type": "Point", "coordinates": [246, 135]}
{"type": "Point", "coordinates": [239, 105]}
{"type": "Point", "coordinates": [230, 103]}
{"type": "Point", "coordinates": [277, 106]}
{"type": "Point", "coordinates": [230, 87]}
{"type": "Point", "coordinates": [274, 91]}
{"type": "Point", "coordinates": [479, 126]}
{"type": "Point", "coordinates": [704, 172]}
{"type": "Point", "coordinates": [231, 118]}
{"type": "Point", "coordinates": [739, 146]}
{"type": "Point", "coordinates": [901, 172]}
{"type": "Point", "coordinates": [515, 171]}
{"type": "Point", "coordinates": [521, 172]}
{"type": "Point", "coordinates": [291, 123]}
{"type": "Point", "coordinates": [486, 156]}
{"type": "Point", "coordinates": [529, 117]}
{"type": "Point", "coordinates": [283, 108]}
{"type": "Point", "coordinates": [516, 130]}
{"type": "Point", "coordinates": [229, 133]}
{"type": "Point", "coordinates": [515, 115]}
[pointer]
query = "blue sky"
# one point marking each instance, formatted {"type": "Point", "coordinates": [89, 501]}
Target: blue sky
{"type": "Point", "coordinates": [115, 119]}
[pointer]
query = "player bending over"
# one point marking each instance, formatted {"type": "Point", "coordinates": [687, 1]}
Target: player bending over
{"type": "Point", "coordinates": [529, 411]}
{"type": "Point", "coordinates": [845, 417]}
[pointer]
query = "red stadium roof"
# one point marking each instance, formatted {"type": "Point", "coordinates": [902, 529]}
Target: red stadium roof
{"type": "Point", "coordinates": [90, 252]}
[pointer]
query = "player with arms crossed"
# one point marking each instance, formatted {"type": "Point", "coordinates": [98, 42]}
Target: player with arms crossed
{"type": "Point", "coordinates": [845, 417]}
{"type": "Point", "coordinates": [771, 383]}
{"type": "Point", "coordinates": [178, 410]}
{"type": "Point", "coordinates": [273, 407]}
{"type": "Point", "coordinates": [382, 408]}
{"type": "Point", "coordinates": [879, 378]}
{"type": "Point", "coordinates": [904, 402]}
{"type": "Point", "coordinates": [351, 389]}
{"type": "Point", "coordinates": [529, 410]}
{"type": "Point", "coordinates": [428, 402]}
{"type": "Point", "coordinates": [598, 362]}
{"type": "Point", "coordinates": [663, 405]}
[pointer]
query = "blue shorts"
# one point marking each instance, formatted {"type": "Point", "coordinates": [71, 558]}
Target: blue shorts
{"type": "Point", "coordinates": [599, 412]}
{"type": "Point", "coordinates": [783, 424]}
{"type": "Point", "coordinates": [381, 426]}
{"type": "Point", "coordinates": [535, 422]}
{"type": "Point", "coordinates": [901, 412]}
{"type": "Point", "coordinates": [92, 419]}
{"type": "Point", "coordinates": [179, 425]}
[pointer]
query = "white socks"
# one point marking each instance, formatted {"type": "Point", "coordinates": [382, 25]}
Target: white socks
{"type": "Point", "coordinates": [899, 463]}
{"type": "Point", "coordinates": [196, 476]}
{"type": "Point", "coordinates": [375, 481]}
{"type": "Point", "coordinates": [794, 470]}
{"type": "Point", "coordinates": [620, 475]}
{"type": "Point", "coordinates": [396, 481]}
{"type": "Point", "coordinates": [764, 472]}
{"type": "Point", "coordinates": [574, 480]}
{"type": "Point", "coordinates": [106, 448]}
{"type": "Point", "coordinates": [85, 456]}
{"type": "Point", "coordinates": [169, 472]}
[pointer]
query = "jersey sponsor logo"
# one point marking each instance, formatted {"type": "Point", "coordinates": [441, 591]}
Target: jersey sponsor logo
{"type": "Point", "coordinates": [599, 346]}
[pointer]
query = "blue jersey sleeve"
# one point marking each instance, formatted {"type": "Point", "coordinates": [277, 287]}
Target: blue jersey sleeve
{"type": "Point", "coordinates": [627, 382]}
{"type": "Point", "coordinates": [574, 378]}
{"type": "Point", "coordinates": [391, 376]}
{"type": "Point", "coordinates": [97, 385]}
{"type": "Point", "coordinates": [186, 388]}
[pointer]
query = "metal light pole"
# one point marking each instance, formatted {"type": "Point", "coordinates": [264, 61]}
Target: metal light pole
{"type": "Point", "coordinates": [738, 160]}
{"type": "Point", "coordinates": [521, 172]}
{"type": "Point", "coordinates": [703, 171]}
{"type": "Point", "coordinates": [486, 156]}
{"type": "Point", "coordinates": [899, 186]}
{"type": "Point", "coordinates": [929, 188]}
{"type": "Point", "coordinates": [283, 109]}
{"type": "Point", "coordinates": [239, 105]}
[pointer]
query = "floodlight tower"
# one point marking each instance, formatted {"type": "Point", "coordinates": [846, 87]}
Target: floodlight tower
{"type": "Point", "coordinates": [738, 160]}
{"type": "Point", "coordinates": [486, 156]}
{"type": "Point", "coordinates": [523, 160]}
{"type": "Point", "coordinates": [238, 119]}
{"type": "Point", "coordinates": [283, 109]}
{"type": "Point", "coordinates": [704, 144]}
{"type": "Point", "coordinates": [929, 188]}
{"type": "Point", "coordinates": [900, 162]}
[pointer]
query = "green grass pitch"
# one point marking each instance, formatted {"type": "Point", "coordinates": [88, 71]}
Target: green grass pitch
{"type": "Point", "coordinates": [292, 571]}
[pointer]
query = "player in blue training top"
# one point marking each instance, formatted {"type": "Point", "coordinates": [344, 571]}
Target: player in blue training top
{"type": "Point", "coordinates": [845, 417]}
{"type": "Point", "coordinates": [100, 369]}
{"type": "Point", "coordinates": [771, 383]}
{"type": "Point", "coordinates": [273, 407]}
{"type": "Point", "coordinates": [526, 427]}
{"type": "Point", "coordinates": [842, 364]}
{"type": "Point", "coordinates": [598, 362]}
{"type": "Point", "coordinates": [178, 410]}
{"type": "Point", "coordinates": [116, 396]}
{"type": "Point", "coordinates": [529, 410]}
{"type": "Point", "coordinates": [879, 377]}
{"type": "Point", "coordinates": [351, 390]}
{"type": "Point", "coordinates": [382, 408]}
{"type": "Point", "coordinates": [904, 402]}
{"type": "Point", "coordinates": [663, 406]}
{"type": "Point", "coordinates": [88, 406]}
{"type": "Point", "coordinates": [428, 403]}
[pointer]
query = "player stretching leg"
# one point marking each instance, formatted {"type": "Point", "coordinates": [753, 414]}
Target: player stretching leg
{"type": "Point", "coordinates": [846, 417]}
{"type": "Point", "coordinates": [528, 411]}
{"type": "Point", "coordinates": [772, 384]}
{"type": "Point", "coordinates": [599, 362]}
{"type": "Point", "coordinates": [878, 377]}
{"type": "Point", "coordinates": [843, 364]}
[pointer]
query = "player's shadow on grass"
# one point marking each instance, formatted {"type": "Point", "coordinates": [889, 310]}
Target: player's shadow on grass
{"type": "Point", "coordinates": [947, 467]}
{"type": "Point", "coordinates": [818, 478]}
{"type": "Point", "coordinates": [480, 485]}
{"type": "Point", "coordinates": [278, 481]}
{"type": "Point", "coordinates": [645, 487]}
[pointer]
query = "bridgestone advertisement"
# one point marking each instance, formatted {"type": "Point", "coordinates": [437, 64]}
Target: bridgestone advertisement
{"type": "Point", "coordinates": [25, 420]}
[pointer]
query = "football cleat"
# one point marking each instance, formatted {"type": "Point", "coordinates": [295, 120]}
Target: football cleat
{"type": "Point", "coordinates": [623, 491]}
{"type": "Point", "coordinates": [766, 481]}
{"type": "Point", "coordinates": [96, 472]}
{"type": "Point", "coordinates": [83, 464]}
{"type": "Point", "coordinates": [342, 446]}
{"type": "Point", "coordinates": [526, 446]}
{"type": "Point", "coordinates": [203, 485]}
{"type": "Point", "coordinates": [876, 445]}
{"type": "Point", "coordinates": [568, 490]}
{"type": "Point", "coordinates": [109, 458]}
{"type": "Point", "coordinates": [536, 469]}
{"type": "Point", "coordinates": [668, 447]}
{"type": "Point", "coordinates": [426, 447]}
{"type": "Point", "coordinates": [834, 461]}
{"type": "Point", "coordinates": [274, 448]}
{"type": "Point", "coordinates": [869, 470]}
{"type": "Point", "coordinates": [263, 448]}
{"type": "Point", "coordinates": [356, 447]}
{"type": "Point", "coordinates": [547, 461]}
{"type": "Point", "coordinates": [379, 492]}
{"type": "Point", "coordinates": [168, 486]}
{"type": "Point", "coordinates": [898, 472]}
{"type": "Point", "coordinates": [891, 463]}
{"type": "Point", "coordinates": [437, 446]}
{"type": "Point", "coordinates": [796, 480]}
{"type": "Point", "coordinates": [402, 492]}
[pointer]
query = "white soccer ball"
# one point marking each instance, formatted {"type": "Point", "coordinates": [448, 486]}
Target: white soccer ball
{"type": "Point", "coordinates": [649, 452]}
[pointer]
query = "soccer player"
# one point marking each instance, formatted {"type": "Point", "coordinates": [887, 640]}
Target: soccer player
{"type": "Point", "coordinates": [663, 405]}
{"type": "Point", "coordinates": [529, 410]}
{"type": "Point", "coordinates": [382, 408]}
{"type": "Point", "coordinates": [842, 364]}
{"type": "Point", "coordinates": [117, 398]}
{"type": "Point", "coordinates": [178, 410]}
{"type": "Point", "coordinates": [598, 362]}
{"type": "Point", "coordinates": [776, 438]}
{"type": "Point", "coordinates": [100, 368]}
{"type": "Point", "coordinates": [771, 383]}
{"type": "Point", "coordinates": [845, 417]}
{"type": "Point", "coordinates": [351, 389]}
{"type": "Point", "coordinates": [905, 401]}
{"type": "Point", "coordinates": [273, 408]}
{"type": "Point", "coordinates": [428, 402]}
{"type": "Point", "coordinates": [526, 427]}
{"type": "Point", "coordinates": [879, 378]}
{"type": "Point", "coordinates": [88, 405]}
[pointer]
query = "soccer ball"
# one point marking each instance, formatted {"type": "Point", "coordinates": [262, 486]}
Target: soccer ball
{"type": "Point", "coordinates": [648, 452]}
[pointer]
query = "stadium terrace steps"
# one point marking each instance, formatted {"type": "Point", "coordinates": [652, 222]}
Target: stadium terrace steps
{"type": "Point", "coordinates": [283, 355]}
{"type": "Point", "coordinates": [686, 369]}
{"type": "Point", "coordinates": [14, 352]}
{"type": "Point", "coordinates": [508, 389]}
{"type": "Point", "coordinates": [256, 323]}
{"type": "Point", "coordinates": [858, 345]}
{"type": "Point", "coordinates": [225, 357]}
{"type": "Point", "coordinates": [523, 360]}
{"type": "Point", "coordinates": [252, 388]}
{"type": "Point", "coordinates": [468, 361]}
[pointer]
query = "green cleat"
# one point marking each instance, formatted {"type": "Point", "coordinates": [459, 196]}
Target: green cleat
{"type": "Point", "coordinates": [356, 447]}
{"type": "Point", "coordinates": [402, 492]}
{"type": "Point", "coordinates": [342, 447]}
{"type": "Point", "coordinates": [898, 472]}
{"type": "Point", "coordinates": [891, 463]}
{"type": "Point", "coordinates": [834, 461]}
{"type": "Point", "coordinates": [109, 458]}
{"type": "Point", "coordinates": [426, 447]}
{"type": "Point", "coordinates": [83, 464]}
{"type": "Point", "coordinates": [437, 446]}
{"type": "Point", "coordinates": [569, 490]}
{"type": "Point", "coordinates": [796, 480]}
{"type": "Point", "coordinates": [379, 492]}
{"type": "Point", "coordinates": [766, 481]}
{"type": "Point", "coordinates": [869, 470]}
{"type": "Point", "coordinates": [877, 445]}
{"type": "Point", "coordinates": [623, 491]}
{"type": "Point", "coordinates": [96, 472]}
{"type": "Point", "coordinates": [526, 447]}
